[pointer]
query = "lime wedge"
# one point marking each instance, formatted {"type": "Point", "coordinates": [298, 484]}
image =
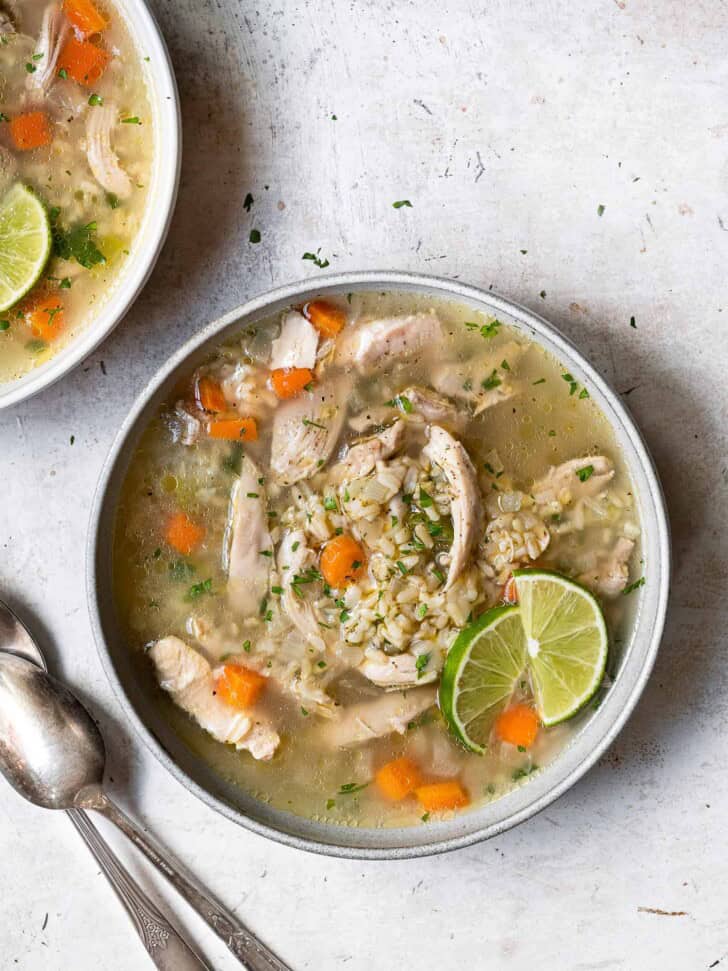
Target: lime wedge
{"type": "Point", "coordinates": [25, 243]}
{"type": "Point", "coordinates": [480, 674]}
{"type": "Point", "coordinates": [566, 642]}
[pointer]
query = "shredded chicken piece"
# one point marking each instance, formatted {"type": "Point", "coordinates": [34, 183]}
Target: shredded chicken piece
{"type": "Point", "coordinates": [391, 713]}
{"type": "Point", "coordinates": [296, 346]}
{"type": "Point", "coordinates": [362, 457]}
{"type": "Point", "coordinates": [185, 427]}
{"type": "Point", "coordinates": [294, 557]}
{"type": "Point", "coordinates": [305, 432]}
{"type": "Point", "coordinates": [612, 571]}
{"type": "Point", "coordinates": [53, 33]}
{"type": "Point", "coordinates": [101, 157]}
{"type": "Point", "coordinates": [572, 480]}
{"type": "Point", "coordinates": [397, 670]}
{"type": "Point", "coordinates": [187, 676]}
{"type": "Point", "coordinates": [246, 537]}
{"type": "Point", "coordinates": [433, 407]}
{"type": "Point", "coordinates": [481, 383]}
{"type": "Point", "coordinates": [377, 344]}
{"type": "Point", "coordinates": [447, 452]}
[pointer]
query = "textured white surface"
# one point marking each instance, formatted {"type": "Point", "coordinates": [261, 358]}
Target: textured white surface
{"type": "Point", "coordinates": [507, 124]}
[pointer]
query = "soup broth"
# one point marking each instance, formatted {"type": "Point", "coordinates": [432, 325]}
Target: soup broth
{"type": "Point", "coordinates": [76, 128]}
{"type": "Point", "coordinates": [297, 554]}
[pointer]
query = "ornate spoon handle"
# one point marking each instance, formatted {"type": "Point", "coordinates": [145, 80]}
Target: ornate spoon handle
{"type": "Point", "coordinates": [247, 948]}
{"type": "Point", "coordinates": [167, 949]}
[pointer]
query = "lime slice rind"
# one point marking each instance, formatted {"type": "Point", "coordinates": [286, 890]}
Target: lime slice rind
{"type": "Point", "coordinates": [568, 643]}
{"type": "Point", "coordinates": [482, 667]}
{"type": "Point", "coordinates": [25, 243]}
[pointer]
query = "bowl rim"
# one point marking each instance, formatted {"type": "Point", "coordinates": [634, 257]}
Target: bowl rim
{"type": "Point", "coordinates": [620, 700]}
{"type": "Point", "coordinates": [159, 209]}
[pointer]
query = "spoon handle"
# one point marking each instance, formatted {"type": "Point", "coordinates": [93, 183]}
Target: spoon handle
{"type": "Point", "coordinates": [246, 947]}
{"type": "Point", "coordinates": [168, 951]}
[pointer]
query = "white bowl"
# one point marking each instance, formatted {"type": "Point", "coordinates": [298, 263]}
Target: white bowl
{"type": "Point", "coordinates": [142, 700]}
{"type": "Point", "coordinates": [164, 101]}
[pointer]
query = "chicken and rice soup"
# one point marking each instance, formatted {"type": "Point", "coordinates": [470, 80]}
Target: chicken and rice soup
{"type": "Point", "coordinates": [76, 148]}
{"type": "Point", "coordinates": [335, 540]}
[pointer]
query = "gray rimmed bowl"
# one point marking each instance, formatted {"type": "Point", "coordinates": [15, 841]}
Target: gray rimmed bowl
{"type": "Point", "coordinates": [134, 684]}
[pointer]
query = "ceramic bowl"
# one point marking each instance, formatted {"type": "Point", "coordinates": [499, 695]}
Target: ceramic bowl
{"type": "Point", "coordinates": [131, 677]}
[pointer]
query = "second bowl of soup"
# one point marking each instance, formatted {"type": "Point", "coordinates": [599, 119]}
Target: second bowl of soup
{"type": "Point", "coordinates": [89, 155]}
{"type": "Point", "coordinates": [379, 564]}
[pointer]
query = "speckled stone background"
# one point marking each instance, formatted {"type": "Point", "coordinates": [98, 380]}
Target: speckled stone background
{"type": "Point", "coordinates": [507, 124]}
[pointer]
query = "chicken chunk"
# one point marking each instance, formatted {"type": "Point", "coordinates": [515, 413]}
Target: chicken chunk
{"type": "Point", "coordinates": [449, 454]}
{"type": "Point", "coordinates": [188, 678]}
{"type": "Point", "coordinates": [102, 159]}
{"type": "Point", "coordinates": [481, 383]}
{"type": "Point", "coordinates": [377, 344]}
{"type": "Point", "coordinates": [296, 346]}
{"type": "Point", "coordinates": [432, 406]}
{"type": "Point", "coordinates": [397, 670]}
{"type": "Point", "coordinates": [362, 457]}
{"type": "Point", "coordinates": [246, 538]}
{"type": "Point", "coordinates": [294, 557]}
{"type": "Point", "coordinates": [612, 571]}
{"type": "Point", "coordinates": [53, 33]}
{"type": "Point", "coordinates": [305, 432]}
{"type": "Point", "coordinates": [572, 480]}
{"type": "Point", "coordinates": [391, 713]}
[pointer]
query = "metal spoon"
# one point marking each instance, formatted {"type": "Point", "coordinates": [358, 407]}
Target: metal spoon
{"type": "Point", "coordinates": [52, 752]}
{"type": "Point", "coordinates": [167, 949]}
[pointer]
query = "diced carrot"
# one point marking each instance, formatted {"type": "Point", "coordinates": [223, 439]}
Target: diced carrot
{"type": "Point", "coordinates": [442, 795]}
{"type": "Point", "coordinates": [518, 725]}
{"type": "Point", "coordinates": [183, 534]}
{"type": "Point", "coordinates": [238, 686]}
{"type": "Point", "coordinates": [83, 61]}
{"type": "Point", "coordinates": [31, 130]}
{"type": "Point", "coordinates": [43, 313]}
{"type": "Point", "coordinates": [510, 591]}
{"type": "Point", "coordinates": [234, 429]}
{"type": "Point", "coordinates": [342, 561]}
{"type": "Point", "coordinates": [327, 318]}
{"type": "Point", "coordinates": [398, 779]}
{"type": "Point", "coordinates": [85, 17]}
{"type": "Point", "coordinates": [289, 381]}
{"type": "Point", "coordinates": [209, 395]}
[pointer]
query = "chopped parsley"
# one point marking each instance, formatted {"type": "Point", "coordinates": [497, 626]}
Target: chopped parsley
{"type": "Point", "coordinates": [247, 205]}
{"type": "Point", "coordinates": [252, 495]}
{"type": "Point", "coordinates": [198, 590]}
{"type": "Point", "coordinates": [254, 236]}
{"type": "Point", "coordinates": [421, 611]}
{"type": "Point", "coordinates": [522, 773]}
{"type": "Point", "coordinates": [247, 646]}
{"type": "Point", "coordinates": [133, 120]}
{"type": "Point", "coordinates": [77, 244]}
{"type": "Point", "coordinates": [486, 330]}
{"type": "Point", "coordinates": [542, 295]}
{"type": "Point", "coordinates": [492, 382]}
{"type": "Point", "coordinates": [316, 259]}
{"type": "Point", "coordinates": [634, 586]}
{"type": "Point", "coordinates": [439, 574]}
{"type": "Point", "coordinates": [312, 424]}
{"type": "Point", "coordinates": [540, 381]}
{"type": "Point", "coordinates": [600, 210]}
{"type": "Point", "coordinates": [633, 323]}
{"type": "Point", "coordinates": [268, 553]}
{"type": "Point", "coordinates": [63, 73]}
{"type": "Point", "coordinates": [585, 473]}
{"type": "Point", "coordinates": [402, 203]}
{"type": "Point", "coordinates": [349, 787]}
{"type": "Point", "coordinates": [421, 663]}
{"type": "Point", "coordinates": [330, 504]}
{"type": "Point", "coordinates": [424, 817]}
{"type": "Point", "coordinates": [330, 803]}
{"type": "Point", "coordinates": [95, 99]}
{"type": "Point", "coordinates": [4, 325]}
{"type": "Point", "coordinates": [425, 500]}
{"type": "Point", "coordinates": [402, 568]}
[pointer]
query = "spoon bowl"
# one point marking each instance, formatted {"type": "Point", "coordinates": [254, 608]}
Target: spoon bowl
{"type": "Point", "coordinates": [51, 751]}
